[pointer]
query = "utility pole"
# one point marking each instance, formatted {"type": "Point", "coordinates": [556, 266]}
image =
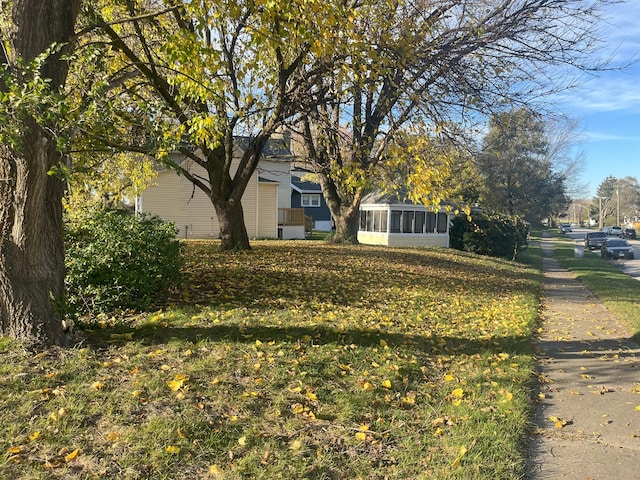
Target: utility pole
{"type": "Point", "coordinates": [599, 213]}
{"type": "Point", "coordinates": [618, 206]}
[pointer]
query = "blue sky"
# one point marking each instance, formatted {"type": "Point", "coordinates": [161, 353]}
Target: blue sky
{"type": "Point", "coordinates": [608, 106]}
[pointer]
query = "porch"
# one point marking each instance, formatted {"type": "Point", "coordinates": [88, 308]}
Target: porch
{"type": "Point", "coordinates": [294, 224]}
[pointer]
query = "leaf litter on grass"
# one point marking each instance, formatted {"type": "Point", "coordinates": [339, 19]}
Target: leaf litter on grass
{"type": "Point", "coordinates": [294, 360]}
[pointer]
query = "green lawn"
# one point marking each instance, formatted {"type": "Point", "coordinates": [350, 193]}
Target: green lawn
{"type": "Point", "coordinates": [295, 360]}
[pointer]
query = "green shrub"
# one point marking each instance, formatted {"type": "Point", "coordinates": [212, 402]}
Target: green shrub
{"type": "Point", "coordinates": [489, 234]}
{"type": "Point", "coordinates": [116, 260]}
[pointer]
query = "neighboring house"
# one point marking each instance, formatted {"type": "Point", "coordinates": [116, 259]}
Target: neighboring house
{"type": "Point", "coordinates": [175, 199]}
{"type": "Point", "coordinates": [386, 220]}
{"type": "Point", "coordinates": [308, 195]}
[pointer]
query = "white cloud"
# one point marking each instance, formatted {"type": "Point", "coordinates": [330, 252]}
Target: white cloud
{"type": "Point", "coordinates": [606, 136]}
{"type": "Point", "coordinates": [616, 89]}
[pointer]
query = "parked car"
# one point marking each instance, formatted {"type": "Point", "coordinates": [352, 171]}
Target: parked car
{"type": "Point", "coordinates": [565, 227]}
{"type": "Point", "coordinates": [593, 240]}
{"type": "Point", "coordinates": [615, 232]}
{"type": "Point", "coordinates": [616, 248]}
{"type": "Point", "coordinates": [629, 233]}
{"type": "Point", "coordinates": [605, 230]}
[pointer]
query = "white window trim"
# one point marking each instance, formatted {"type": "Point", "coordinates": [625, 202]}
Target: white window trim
{"type": "Point", "coordinates": [311, 198]}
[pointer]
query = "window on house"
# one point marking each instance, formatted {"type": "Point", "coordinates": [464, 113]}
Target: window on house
{"type": "Point", "coordinates": [407, 222]}
{"type": "Point", "coordinates": [369, 227]}
{"type": "Point", "coordinates": [310, 199]}
{"type": "Point", "coordinates": [430, 223]}
{"type": "Point", "coordinates": [373, 221]}
{"type": "Point", "coordinates": [396, 219]}
{"type": "Point", "coordinates": [418, 226]}
{"type": "Point", "coordinates": [442, 222]}
{"type": "Point", "coordinates": [376, 220]}
{"type": "Point", "coordinates": [403, 221]}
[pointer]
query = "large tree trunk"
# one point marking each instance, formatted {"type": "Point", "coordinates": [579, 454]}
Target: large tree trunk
{"type": "Point", "coordinates": [31, 246]}
{"type": "Point", "coordinates": [345, 209]}
{"type": "Point", "coordinates": [347, 222]}
{"type": "Point", "coordinates": [233, 231]}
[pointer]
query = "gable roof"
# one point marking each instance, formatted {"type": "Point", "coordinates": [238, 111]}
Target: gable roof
{"type": "Point", "coordinates": [274, 148]}
{"type": "Point", "coordinates": [305, 187]}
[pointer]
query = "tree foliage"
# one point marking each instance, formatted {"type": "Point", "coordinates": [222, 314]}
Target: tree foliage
{"type": "Point", "coordinates": [193, 78]}
{"type": "Point", "coordinates": [442, 61]}
{"type": "Point", "coordinates": [113, 181]}
{"type": "Point", "coordinates": [518, 172]}
{"type": "Point", "coordinates": [617, 201]}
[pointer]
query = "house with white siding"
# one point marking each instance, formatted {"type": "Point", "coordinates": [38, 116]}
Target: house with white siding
{"type": "Point", "coordinates": [175, 199]}
{"type": "Point", "coordinates": [387, 220]}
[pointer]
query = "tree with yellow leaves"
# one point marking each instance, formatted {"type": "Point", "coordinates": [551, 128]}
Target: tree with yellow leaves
{"type": "Point", "coordinates": [194, 77]}
{"type": "Point", "coordinates": [441, 63]}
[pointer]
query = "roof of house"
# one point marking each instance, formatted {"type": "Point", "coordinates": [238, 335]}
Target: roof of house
{"type": "Point", "coordinates": [275, 147]}
{"type": "Point", "coordinates": [380, 197]}
{"type": "Point", "coordinates": [266, 180]}
{"type": "Point", "coordinates": [305, 187]}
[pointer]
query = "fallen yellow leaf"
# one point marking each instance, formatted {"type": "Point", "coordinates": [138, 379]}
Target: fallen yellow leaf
{"type": "Point", "coordinates": [457, 393]}
{"type": "Point", "coordinates": [72, 456]}
{"type": "Point", "coordinates": [34, 436]}
{"type": "Point", "coordinates": [173, 449]}
{"type": "Point", "coordinates": [410, 399]}
{"type": "Point", "coordinates": [461, 454]}
{"type": "Point", "coordinates": [361, 436]}
{"type": "Point", "coordinates": [215, 470]}
{"type": "Point", "coordinates": [178, 382]}
{"type": "Point", "coordinates": [558, 422]}
{"type": "Point", "coordinates": [507, 396]}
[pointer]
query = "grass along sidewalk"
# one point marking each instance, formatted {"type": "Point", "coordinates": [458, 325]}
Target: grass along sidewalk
{"type": "Point", "coordinates": [295, 360]}
{"type": "Point", "coordinates": [616, 290]}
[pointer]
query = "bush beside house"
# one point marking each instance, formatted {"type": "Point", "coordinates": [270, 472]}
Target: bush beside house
{"type": "Point", "coordinates": [116, 260]}
{"type": "Point", "coordinates": [489, 234]}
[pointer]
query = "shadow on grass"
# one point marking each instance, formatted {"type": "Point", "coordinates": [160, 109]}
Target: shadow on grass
{"type": "Point", "coordinates": [150, 335]}
{"type": "Point", "coordinates": [343, 275]}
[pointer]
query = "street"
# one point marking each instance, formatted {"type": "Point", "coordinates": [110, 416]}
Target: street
{"type": "Point", "coordinates": [630, 267]}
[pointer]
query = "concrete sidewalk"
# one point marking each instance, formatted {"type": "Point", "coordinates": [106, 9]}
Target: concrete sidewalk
{"type": "Point", "coordinates": [589, 375]}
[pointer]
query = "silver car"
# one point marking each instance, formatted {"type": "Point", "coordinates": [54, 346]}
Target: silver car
{"type": "Point", "coordinates": [615, 232]}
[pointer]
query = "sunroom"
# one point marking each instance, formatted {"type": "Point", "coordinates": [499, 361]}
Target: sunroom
{"type": "Point", "coordinates": [385, 220]}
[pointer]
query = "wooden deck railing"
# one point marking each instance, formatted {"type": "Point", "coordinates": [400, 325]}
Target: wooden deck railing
{"type": "Point", "coordinates": [290, 216]}
{"type": "Point", "coordinates": [295, 217]}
